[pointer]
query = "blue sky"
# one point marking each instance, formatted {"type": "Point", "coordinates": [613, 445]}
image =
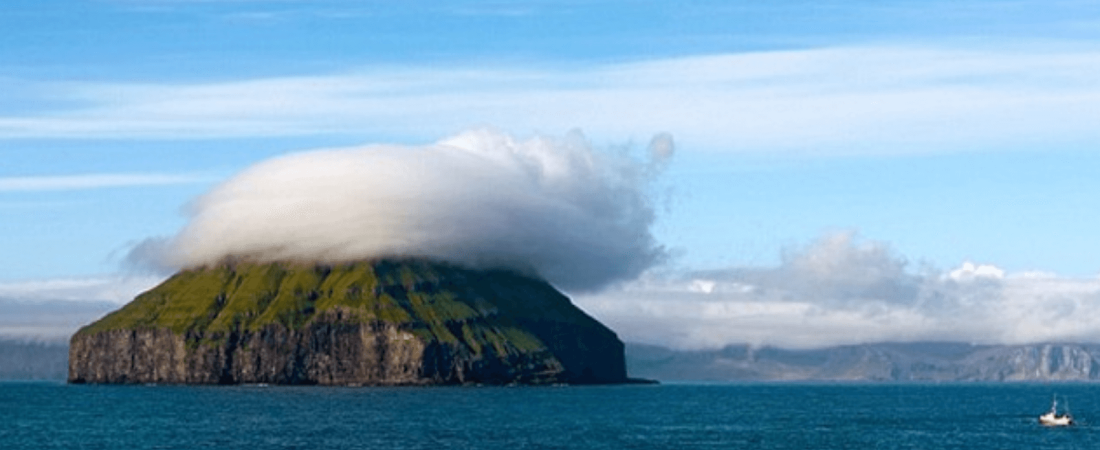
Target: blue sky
{"type": "Point", "coordinates": [944, 131]}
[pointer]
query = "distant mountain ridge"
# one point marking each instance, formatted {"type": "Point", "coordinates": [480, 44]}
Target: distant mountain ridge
{"type": "Point", "coordinates": [29, 359]}
{"type": "Point", "coordinates": [915, 362]}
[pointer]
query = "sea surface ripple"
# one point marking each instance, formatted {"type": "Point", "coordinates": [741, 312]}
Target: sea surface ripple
{"type": "Point", "coordinates": [704, 416]}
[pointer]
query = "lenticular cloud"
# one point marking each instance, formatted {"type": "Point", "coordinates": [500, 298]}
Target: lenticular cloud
{"type": "Point", "coordinates": [554, 207]}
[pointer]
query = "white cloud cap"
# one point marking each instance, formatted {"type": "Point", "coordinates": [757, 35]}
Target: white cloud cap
{"type": "Point", "coordinates": [556, 207]}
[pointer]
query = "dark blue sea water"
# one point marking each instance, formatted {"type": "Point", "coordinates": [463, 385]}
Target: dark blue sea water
{"type": "Point", "coordinates": [750, 416]}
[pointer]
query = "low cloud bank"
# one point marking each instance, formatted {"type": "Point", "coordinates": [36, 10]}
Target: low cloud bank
{"type": "Point", "coordinates": [48, 320]}
{"type": "Point", "coordinates": [555, 207]}
{"type": "Point", "coordinates": [842, 290]}
{"type": "Point", "coordinates": [52, 310]}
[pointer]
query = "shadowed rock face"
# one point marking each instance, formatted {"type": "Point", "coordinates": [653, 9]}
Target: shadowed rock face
{"type": "Point", "coordinates": [368, 323]}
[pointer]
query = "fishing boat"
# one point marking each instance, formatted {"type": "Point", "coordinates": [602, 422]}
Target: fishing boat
{"type": "Point", "coordinates": [1052, 419]}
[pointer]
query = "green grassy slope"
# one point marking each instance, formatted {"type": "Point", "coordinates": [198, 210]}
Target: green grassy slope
{"type": "Point", "coordinates": [435, 301]}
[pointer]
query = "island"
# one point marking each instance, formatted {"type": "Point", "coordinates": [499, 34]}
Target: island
{"type": "Point", "coordinates": [367, 323]}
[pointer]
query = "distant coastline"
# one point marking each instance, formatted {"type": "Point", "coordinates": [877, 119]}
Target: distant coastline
{"type": "Point", "coordinates": [27, 359]}
{"type": "Point", "coordinates": [881, 362]}
{"type": "Point", "coordinates": [47, 360]}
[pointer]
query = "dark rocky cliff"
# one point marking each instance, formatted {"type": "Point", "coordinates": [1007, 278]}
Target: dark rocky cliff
{"type": "Point", "coordinates": [368, 323]}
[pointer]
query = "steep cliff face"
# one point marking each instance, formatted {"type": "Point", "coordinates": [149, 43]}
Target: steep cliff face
{"type": "Point", "coordinates": [1048, 362]}
{"type": "Point", "coordinates": [369, 323]}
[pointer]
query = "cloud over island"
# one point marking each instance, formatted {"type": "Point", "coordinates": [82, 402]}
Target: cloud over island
{"type": "Point", "coordinates": [555, 207]}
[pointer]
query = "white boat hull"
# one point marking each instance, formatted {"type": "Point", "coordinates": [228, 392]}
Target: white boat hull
{"type": "Point", "coordinates": [1052, 420]}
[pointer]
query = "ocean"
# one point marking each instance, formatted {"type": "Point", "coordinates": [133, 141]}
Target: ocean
{"type": "Point", "coordinates": [43, 415]}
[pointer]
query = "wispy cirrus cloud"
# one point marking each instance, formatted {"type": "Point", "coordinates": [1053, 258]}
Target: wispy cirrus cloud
{"type": "Point", "coordinates": [115, 289]}
{"type": "Point", "coordinates": [92, 181]}
{"type": "Point", "coordinates": [857, 100]}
